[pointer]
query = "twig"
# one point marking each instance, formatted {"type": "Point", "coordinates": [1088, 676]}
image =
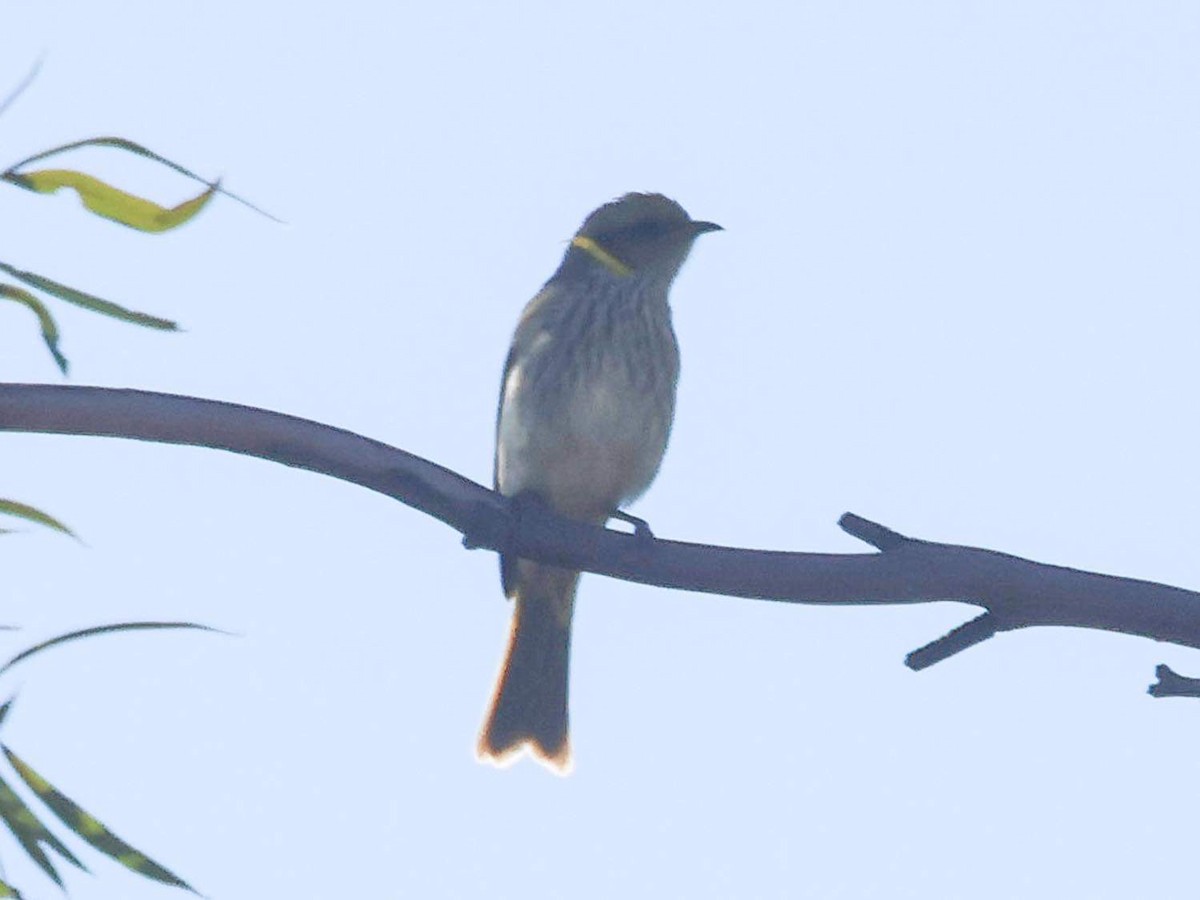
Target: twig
{"type": "Point", "coordinates": [1172, 684]}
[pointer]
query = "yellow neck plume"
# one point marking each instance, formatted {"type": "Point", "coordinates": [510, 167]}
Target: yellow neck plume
{"type": "Point", "coordinates": [602, 256]}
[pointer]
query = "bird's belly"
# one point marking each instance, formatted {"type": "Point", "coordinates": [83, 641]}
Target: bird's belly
{"type": "Point", "coordinates": [598, 449]}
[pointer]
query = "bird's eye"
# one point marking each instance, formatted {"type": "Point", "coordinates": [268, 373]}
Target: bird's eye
{"type": "Point", "coordinates": [648, 230]}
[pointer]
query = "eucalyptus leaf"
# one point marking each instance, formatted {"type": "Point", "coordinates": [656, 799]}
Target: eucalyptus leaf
{"type": "Point", "coordinates": [88, 301]}
{"type": "Point", "coordinates": [49, 327]}
{"type": "Point", "coordinates": [33, 514]}
{"type": "Point", "coordinates": [31, 833]}
{"type": "Point", "coordinates": [91, 829]}
{"type": "Point", "coordinates": [138, 150]}
{"type": "Point", "coordinates": [112, 203]}
{"type": "Point", "coordinates": [103, 629]}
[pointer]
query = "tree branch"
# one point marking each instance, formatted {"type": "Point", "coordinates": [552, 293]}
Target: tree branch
{"type": "Point", "coordinates": [1015, 592]}
{"type": "Point", "coordinates": [1171, 684]}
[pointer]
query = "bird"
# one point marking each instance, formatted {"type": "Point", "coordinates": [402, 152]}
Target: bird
{"type": "Point", "coordinates": [587, 400]}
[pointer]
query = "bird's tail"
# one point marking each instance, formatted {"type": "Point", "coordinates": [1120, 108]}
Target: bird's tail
{"type": "Point", "coordinates": [529, 706]}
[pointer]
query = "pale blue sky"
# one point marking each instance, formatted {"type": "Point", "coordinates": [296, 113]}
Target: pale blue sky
{"type": "Point", "coordinates": [957, 294]}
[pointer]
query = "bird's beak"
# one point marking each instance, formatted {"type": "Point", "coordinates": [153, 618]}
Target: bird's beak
{"type": "Point", "coordinates": [699, 228]}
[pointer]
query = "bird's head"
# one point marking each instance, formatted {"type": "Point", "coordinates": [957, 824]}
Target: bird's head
{"type": "Point", "coordinates": [638, 235]}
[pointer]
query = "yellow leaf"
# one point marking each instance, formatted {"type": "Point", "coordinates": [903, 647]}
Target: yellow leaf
{"type": "Point", "coordinates": [49, 328]}
{"type": "Point", "coordinates": [138, 150]}
{"type": "Point", "coordinates": [112, 203]}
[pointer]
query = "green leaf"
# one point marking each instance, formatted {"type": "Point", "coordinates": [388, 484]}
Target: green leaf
{"type": "Point", "coordinates": [7, 890]}
{"type": "Point", "coordinates": [88, 301]}
{"type": "Point", "coordinates": [103, 629]}
{"type": "Point", "coordinates": [49, 328]}
{"type": "Point", "coordinates": [112, 203]}
{"type": "Point", "coordinates": [31, 833]}
{"type": "Point", "coordinates": [91, 829]}
{"type": "Point", "coordinates": [138, 150]}
{"type": "Point", "coordinates": [32, 514]}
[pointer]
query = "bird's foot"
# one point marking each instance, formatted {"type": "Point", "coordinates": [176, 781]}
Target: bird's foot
{"type": "Point", "coordinates": [641, 528]}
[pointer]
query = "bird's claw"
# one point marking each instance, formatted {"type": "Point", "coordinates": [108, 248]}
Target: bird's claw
{"type": "Point", "coordinates": [641, 528]}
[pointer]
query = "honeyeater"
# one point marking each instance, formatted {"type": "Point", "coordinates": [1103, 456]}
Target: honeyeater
{"type": "Point", "coordinates": [586, 405]}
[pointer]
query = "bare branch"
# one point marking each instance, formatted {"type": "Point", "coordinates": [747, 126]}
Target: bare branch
{"type": "Point", "coordinates": [968, 634]}
{"type": "Point", "coordinates": [1015, 592]}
